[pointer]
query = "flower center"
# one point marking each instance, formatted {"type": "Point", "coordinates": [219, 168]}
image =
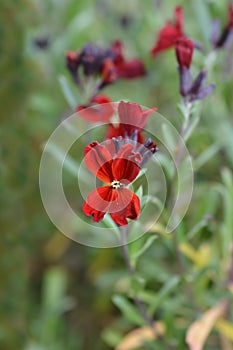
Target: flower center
{"type": "Point", "coordinates": [116, 184]}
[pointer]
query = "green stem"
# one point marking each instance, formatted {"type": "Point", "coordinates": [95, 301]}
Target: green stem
{"type": "Point", "coordinates": [178, 160]}
{"type": "Point", "coordinates": [141, 307]}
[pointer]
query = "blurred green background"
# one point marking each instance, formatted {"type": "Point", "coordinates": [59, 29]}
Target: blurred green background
{"type": "Point", "coordinates": [55, 293]}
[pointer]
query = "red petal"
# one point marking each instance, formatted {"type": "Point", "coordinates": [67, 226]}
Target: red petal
{"type": "Point", "coordinates": [109, 72]}
{"type": "Point", "coordinates": [125, 166]}
{"type": "Point", "coordinates": [179, 18]}
{"type": "Point", "coordinates": [130, 113]}
{"type": "Point", "coordinates": [100, 111]}
{"type": "Point", "coordinates": [131, 69]}
{"type": "Point", "coordinates": [112, 131]}
{"type": "Point", "coordinates": [117, 50]}
{"type": "Point", "coordinates": [98, 202]}
{"type": "Point", "coordinates": [99, 161]}
{"type": "Point", "coordinates": [169, 33]}
{"type": "Point", "coordinates": [100, 99]}
{"type": "Point", "coordinates": [129, 205]}
{"type": "Point", "coordinates": [184, 51]}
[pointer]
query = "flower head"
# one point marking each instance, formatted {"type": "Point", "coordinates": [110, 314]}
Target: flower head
{"type": "Point", "coordinates": [131, 118]}
{"type": "Point", "coordinates": [169, 33]}
{"type": "Point", "coordinates": [117, 171]}
{"type": "Point", "coordinates": [189, 89]}
{"type": "Point", "coordinates": [106, 64]}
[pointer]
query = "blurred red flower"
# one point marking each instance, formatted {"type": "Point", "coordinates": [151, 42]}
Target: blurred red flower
{"type": "Point", "coordinates": [117, 172]}
{"type": "Point", "coordinates": [100, 109]}
{"type": "Point", "coordinates": [109, 64]}
{"type": "Point", "coordinates": [184, 51]}
{"type": "Point", "coordinates": [169, 33]}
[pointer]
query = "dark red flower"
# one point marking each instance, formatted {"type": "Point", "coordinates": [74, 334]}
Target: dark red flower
{"type": "Point", "coordinates": [72, 60]}
{"type": "Point", "coordinates": [126, 69]}
{"type": "Point", "coordinates": [131, 69]}
{"type": "Point", "coordinates": [131, 118]}
{"type": "Point", "coordinates": [100, 109]}
{"type": "Point", "coordinates": [230, 16]}
{"type": "Point", "coordinates": [184, 52]}
{"type": "Point", "coordinates": [169, 33]}
{"type": "Point", "coordinates": [118, 172]}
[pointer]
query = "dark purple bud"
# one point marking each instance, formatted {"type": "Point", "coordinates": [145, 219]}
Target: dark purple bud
{"type": "Point", "coordinates": [91, 58]}
{"type": "Point", "coordinates": [185, 81]}
{"type": "Point", "coordinates": [148, 154]}
{"type": "Point", "coordinates": [202, 93]}
{"type": "Point", "coordinates": [225, 39]}
{"type": "Point", "coordinates": [199, 82]}
{"type": "Point", "coordinates": [215, 32]}
{"type": "Point", "coordinates": [148, 142]}
{"type": "Point", "coordinates": [42, 42]}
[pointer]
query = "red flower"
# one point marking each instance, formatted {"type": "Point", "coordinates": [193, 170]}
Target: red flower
{"type": "Point", "coordinates": [120, 202]}
{"type": "Point", "coordinates": [131, 118]}
{"type": "Point", "coordinates": [72, 60]}
{"type": "Point", "coordinates": [99, 110]}
{"type": "Point", "coordinates": [169, 33]}
{"type": "Point", "coordinates": [184, 52]}
{"type": "Point", "coordinates": [230, 16]}
{"type": "Point", "coordinates": [116, 66]}
{"type": "Point", "coordinates": [131, 69]}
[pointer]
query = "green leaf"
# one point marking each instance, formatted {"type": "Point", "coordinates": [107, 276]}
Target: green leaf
{"type": "Point", "coordinates": [163, 293]}
{"type": "Point", "coordinates": [67, 91]}
{"type": "Point", "coordinates": [204, 157]}
{"type": "Point", "coordinates": [54, 287]}
{"type": "Point", "coordinates": [147, 244]}
{"type": "Point", "coordinates": [128, 310]}
{"type": "Point", "coordinates": [169, 138]}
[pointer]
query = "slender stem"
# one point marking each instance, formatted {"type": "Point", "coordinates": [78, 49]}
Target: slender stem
{"type": "Point", "coordinates": [178, 160]}
{"type": "Point", "coordinates": [132, 272]}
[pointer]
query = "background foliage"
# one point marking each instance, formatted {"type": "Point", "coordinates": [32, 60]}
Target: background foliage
{"type": "Point", "coordinates": [55, 293]}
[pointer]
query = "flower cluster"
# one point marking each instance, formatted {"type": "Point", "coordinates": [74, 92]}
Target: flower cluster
{"type": "Point", "coordinates": [106, 65]}
{"type": "Point", "coordinates": [173, 35]}
{"type": "Point", "coordinates": [117, 162]}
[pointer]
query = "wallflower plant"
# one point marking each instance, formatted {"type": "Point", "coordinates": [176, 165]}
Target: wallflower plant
{"type": "Point", "coordinates": [117, 161]}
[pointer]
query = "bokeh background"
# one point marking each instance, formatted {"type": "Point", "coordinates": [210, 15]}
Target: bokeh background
{"type": "Point", "coordinates": [56, 293]}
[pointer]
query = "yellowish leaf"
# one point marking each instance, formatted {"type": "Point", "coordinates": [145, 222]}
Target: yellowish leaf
{"type": "Point", "coordinates": [225, 328]}
{"type": "Point", "coordinates": [156, 228]}
{"type": "Point", "coordinates": [199, 330]}
{"type": "Point", "coordinates": [230, 287]}
{"type": "Point", "coordinates": [138, 336]}
{"type": "Point", "coordinates": [200, 257]}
